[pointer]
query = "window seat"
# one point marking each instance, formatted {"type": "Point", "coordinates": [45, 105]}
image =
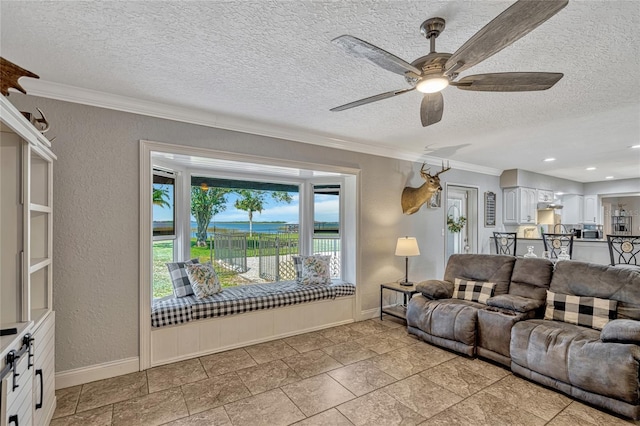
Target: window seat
{"type": "Point", "coordinates": [244, 298]}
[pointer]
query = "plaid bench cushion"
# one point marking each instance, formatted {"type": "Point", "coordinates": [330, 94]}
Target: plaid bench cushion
{"type": "Point", "coordinates": [244, 298]}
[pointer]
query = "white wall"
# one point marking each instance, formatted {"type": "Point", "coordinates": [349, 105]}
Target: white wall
{"type": "Point", "coordinates": [96, 214]}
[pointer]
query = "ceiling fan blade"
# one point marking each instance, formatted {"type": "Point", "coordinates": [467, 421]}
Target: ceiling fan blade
{"type": "Point", "coordinates": [509, 81]}
{"type": "Point", "coordinates": [370, 99]}
{"type": "Point", "coordinates": [361, 49]}
{"type": "Point", "coordinates": [431, 108]}
{"type": "Point", "coordinates": [515, 22]}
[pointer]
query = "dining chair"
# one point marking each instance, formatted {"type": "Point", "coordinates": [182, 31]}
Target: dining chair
{"type": "Point", "coordinates": [506, 242]}
{"type": "Point", "coordinates": [624, 249]}
{"type": "Point", "coordinates": [553, 243]}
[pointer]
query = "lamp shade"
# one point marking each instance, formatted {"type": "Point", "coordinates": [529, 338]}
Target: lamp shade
{"type": "Point", "coordinates": [407, 246]}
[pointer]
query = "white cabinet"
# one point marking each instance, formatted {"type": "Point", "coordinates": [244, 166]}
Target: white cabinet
{"type": "Point", "coordinates": [26, 243]}
{"type": "Point", "coordinates": [519, 206]}
{"type": "Point", "coordinates": [591, 209]}
{"type": "Point", "coordinates": [573, 209]}
{"type": "Point", "coordinates": [545, 196]}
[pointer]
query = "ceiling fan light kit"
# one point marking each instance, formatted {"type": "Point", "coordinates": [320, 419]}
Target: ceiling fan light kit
{"type": "Point", "coordinates": [434, 72]}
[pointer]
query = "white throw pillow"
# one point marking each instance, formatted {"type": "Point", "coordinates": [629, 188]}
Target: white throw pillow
{"type": "Point", "coordinates": [316, 270]}
{"type": "Point", "coordinates": [204, 280]}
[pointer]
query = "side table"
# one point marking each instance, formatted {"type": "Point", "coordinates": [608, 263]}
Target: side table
{"type": "Point", "coordinates": [398, 311]}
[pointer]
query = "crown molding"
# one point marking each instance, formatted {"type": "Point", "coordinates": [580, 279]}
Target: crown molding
{"type": "Point", "coordinates": [63, 92]}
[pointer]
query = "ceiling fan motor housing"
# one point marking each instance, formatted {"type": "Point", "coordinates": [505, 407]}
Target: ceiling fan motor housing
{"type": "Point", "coordinates": [431, 64]}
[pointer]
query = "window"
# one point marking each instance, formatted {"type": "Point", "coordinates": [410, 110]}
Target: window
{"type": "Point", "coordinates": [164, 230]}
{"type": "Point", "coordinates": [326, 224]}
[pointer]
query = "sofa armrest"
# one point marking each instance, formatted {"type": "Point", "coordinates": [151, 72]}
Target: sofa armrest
{"type": "Point", "coordinates": [435, 289]}
{"type": "Point", "coordinates": [621, 331]}
{"type": "Point", "coordinates": [515, 303]}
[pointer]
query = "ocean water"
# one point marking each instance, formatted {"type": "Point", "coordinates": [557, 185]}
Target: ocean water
{"type": "Point", "coordinates": [266, 227]}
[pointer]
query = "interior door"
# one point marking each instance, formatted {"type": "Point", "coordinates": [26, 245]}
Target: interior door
{"type": "Point", "coordinates": [462, 201]}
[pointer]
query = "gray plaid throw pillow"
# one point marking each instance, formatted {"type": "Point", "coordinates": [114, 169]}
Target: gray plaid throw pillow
{"type": "Point", "coordinates": [474, 291]}
{"type": "Point", "coordinates": [179, 278]}
{"type": "Point", "coordinates": [586, 311]}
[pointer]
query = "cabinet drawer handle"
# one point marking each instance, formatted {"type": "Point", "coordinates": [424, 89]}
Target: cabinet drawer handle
{"type": "Point", "coordinates": [39, 373]}
{"type": "Point", "coordinates": [14, 419]}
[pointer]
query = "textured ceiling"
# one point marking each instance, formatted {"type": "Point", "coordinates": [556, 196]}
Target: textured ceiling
{"type": "Point", "coordinates": [272, 62]}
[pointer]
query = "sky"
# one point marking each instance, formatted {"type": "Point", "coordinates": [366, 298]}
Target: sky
{"type": "Point", "coordinates": [326, 210]}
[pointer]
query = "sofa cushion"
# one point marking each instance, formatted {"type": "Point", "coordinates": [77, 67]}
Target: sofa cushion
{"type": "Point", "coordinates": [531, 278]}
{"type": "Point", "coordinates": [602, 281]}
{"type": "Point", "coordinates": [435, 289]}
{"type": "Point", "coordinates": [481, 267]}
{"type": "Point", "coordinates": [574, 354]}
{"type": "Point", "coordinates": [515, 303]}
{"type": "Point", "coordinates": [473, 291]}
{"type": "Point", "coordinates": [586, 311]}
{"type": "Point", "coordinates": [450, 319]}
{"type": "Point", "coordinates": [621, 331]}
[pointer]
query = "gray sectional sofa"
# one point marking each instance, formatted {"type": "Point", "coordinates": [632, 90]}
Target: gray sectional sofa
{"type": "Point", "coordinates": [596, 360]}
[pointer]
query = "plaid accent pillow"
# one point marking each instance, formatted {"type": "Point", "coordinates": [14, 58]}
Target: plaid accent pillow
{"type": "Point", "coordinates": [586, 311]}
{"type": "Point", "coordinates": [203, 278]}
{"type": "Point", "coordinates": [474, 291]}
{"type": "Point", "coordinates": [297, 265]}
{"type": "Point", "coordinates": [179, 278]}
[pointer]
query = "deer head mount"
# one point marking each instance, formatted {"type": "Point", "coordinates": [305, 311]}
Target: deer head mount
{"type": "Point", "coordinates": [414, 198]}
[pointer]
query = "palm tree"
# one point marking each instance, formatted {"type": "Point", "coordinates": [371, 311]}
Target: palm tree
{"type": "Point", "coordinates": [160, 197]}
{"type": "Point", "coordinates": [253, 201]}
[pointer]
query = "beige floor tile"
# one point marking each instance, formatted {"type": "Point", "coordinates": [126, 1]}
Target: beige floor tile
{"type": "Point", "coordinates": [214, 417]}
{"type": "Point", "coordinates": [312, 363]}
{"type": "Point", "coordinates": [380, 343]}
{"type": "Point", "coordinates": [317, 394]}
{"type": "Point", "coordinates": [214, 392]}
{"type": "Point", "coordinates": [529, 396]}
{"type": "Point", "coordinates": [269, 351]}
{"type": "Point", "coordinates": [580, 414]}
{"type": "Point", "coordinates": [390, 322]}
{"type": "Point", "coordinates": [464, 376]}
{"type": "Point", "coordinates": [378, 408]}
{"type": "Point", "coordinates": [154, 409]}
{"type": "Point", "coordinates": [361, 378]}
{"type": "Point", "coordinates": [268, 376]}
{"type": "Point", "coordinates": [368, 327]}
{"type": "Point", "coordinates": [484, 409]}
{"type": "Point", "coordinates": [349, 352]}
{"type": "Point", "coordinates": [308, 342]}
{"type": "Point", "coordinates": [66, 401]}
{"type": "Point", "coordinates": [410, 360]}
{"type": "Point", "coordinates": [330, 417]}
{"type": "Point", "coordinates": [422, 396]}
{"type": "Point", "coordinates": [271, 408]}
{"type": "Point", "coordinates": [402, 335]}
{"type": "Point", "coordinates": [176, 374]}
{"type": "Point", "coordinates": [227, 362]}
{"type": "Point", "coordinates": [109, 391]}
{"type": "Point", "coordinates": [96, 417]}
{"type": "Point", "coordinates": [341, 334]}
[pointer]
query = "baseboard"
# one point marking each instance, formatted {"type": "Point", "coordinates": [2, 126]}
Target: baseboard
{"type": "Point", "coordinates": [369, 313]}
{"type": "Point", "coordinates": [79, 376]}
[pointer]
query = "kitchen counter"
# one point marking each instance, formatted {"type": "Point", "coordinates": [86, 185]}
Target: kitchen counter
{"type": "Point", "coordinates": [584, 250]}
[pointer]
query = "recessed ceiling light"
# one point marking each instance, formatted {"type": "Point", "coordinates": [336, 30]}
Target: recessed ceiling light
{"type": "Point", "coordinates": [559, 193]}
{"type": "Point", "coordinates": [635, 146]}
{"type": "Point", "coordinates": [608, 177]}
{"type": "Point", "coordinates": [549, 159]}
{"type": "Point", "coordinates": [590, 168]}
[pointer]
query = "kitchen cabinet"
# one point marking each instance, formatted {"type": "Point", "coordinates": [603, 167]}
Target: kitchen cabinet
{"type": "Point", "coordinates": [519, 206]}
{"type": "Point", "coordinates": [591, 210]}
{"type": "Point", "coordinates": [573, 209]}
{"type": "Point", "coordinates": [26, 244]}
{"type": "Point", "coordinates": [545, 196]}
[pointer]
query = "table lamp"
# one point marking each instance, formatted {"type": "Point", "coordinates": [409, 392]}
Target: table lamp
{"type": "Point", "coordinates": [407, 246]}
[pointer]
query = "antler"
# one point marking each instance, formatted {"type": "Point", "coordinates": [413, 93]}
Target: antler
{"type": "Point", "coordinates": [443, 168]}
{"type": "Point", "coordinates": [423, 171]}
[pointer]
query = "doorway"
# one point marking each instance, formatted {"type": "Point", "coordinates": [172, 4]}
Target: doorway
{"type": "Point", "coordinates": [462, 202]}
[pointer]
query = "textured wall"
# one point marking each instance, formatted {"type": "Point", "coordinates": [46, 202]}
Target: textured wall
{"type": "Point", "coordinates": [96, 214]}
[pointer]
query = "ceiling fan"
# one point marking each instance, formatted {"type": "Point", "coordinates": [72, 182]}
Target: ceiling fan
{"type": "Point", "coordinates": [432, 73]}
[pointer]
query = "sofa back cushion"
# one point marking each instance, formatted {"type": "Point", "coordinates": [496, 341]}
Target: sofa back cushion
{"type": "Point", "coordinates": [602, 281]}
{"type": "Point", "coordinates": [481, 267]}
{"type": "Point", "coordinates": [531, 278]}
{"type": "Point", "coordinates": [589, 312]}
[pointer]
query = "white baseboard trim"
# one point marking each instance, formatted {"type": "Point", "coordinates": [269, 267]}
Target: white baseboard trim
{"type": "Point", "coordinates": [369, 313]}
{"type": "Point", "coordinates": [106, 370]}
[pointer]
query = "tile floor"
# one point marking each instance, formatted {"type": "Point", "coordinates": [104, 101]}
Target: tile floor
{"type": "Point", "coordinates": [366, 373]}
